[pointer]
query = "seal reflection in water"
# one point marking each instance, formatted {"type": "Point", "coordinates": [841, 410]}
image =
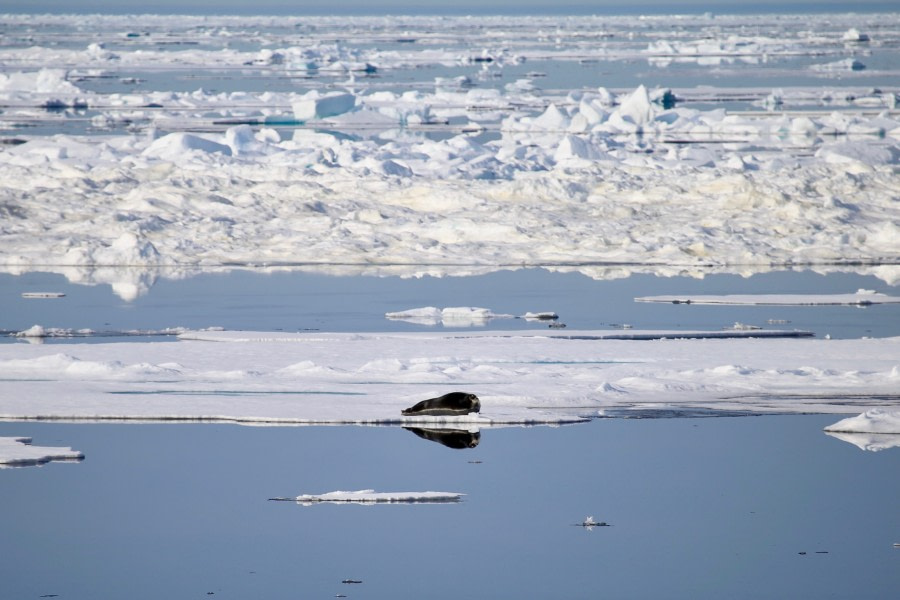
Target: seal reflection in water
{"type": "Point", "coordinates": [459, 439]}
{"type": "Point", "coordinates": [454, 403]}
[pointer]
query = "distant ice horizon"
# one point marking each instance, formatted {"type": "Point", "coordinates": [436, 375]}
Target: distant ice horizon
{"type": "Point", "coordinates": [460, 7]}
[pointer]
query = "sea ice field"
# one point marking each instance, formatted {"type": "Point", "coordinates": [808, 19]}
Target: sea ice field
{"type": "Point", "coordinates": [234, 249]}
{"type": "Point", "coordinates": [443, 146]}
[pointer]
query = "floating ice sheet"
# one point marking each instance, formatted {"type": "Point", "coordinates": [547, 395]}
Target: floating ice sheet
{"type": "Point", "coordinates": [860, 298]}
{"type": "Point", "coordinates": [373, 497]}
{"type": "Point", "coordinates": [455, 316]}
{"type": "Point", "coordinates": [18, 452]}
{"type": "Point", "coordinates": [368, 378]}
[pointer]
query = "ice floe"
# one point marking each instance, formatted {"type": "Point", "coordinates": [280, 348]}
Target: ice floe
{"type": "Point", "coordinates": [453, 316]}
{"type": "Point", "coordinates": [537, 376]}
{"type": "Point", "coordinates": [873, 430]}
{"type": "Point", "coordinates": [872, 421]}
{"type": "Point", "coordinates": [19, 452]}
{"type": "Point", "coordinates": [373, 497]}
{"type": "Point", "coordinates": [860, 298]}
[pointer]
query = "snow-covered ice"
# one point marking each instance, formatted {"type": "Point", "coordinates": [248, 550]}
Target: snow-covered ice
{"type": "Point", "coordinates": [19, 452]}
{"type": "Point", "coordinates": [872, 421]}
{"type": "Point", "coordinates": [453, 316]}
{"type": "Point", "coordinates": [350, 176]}
{"type": "Point", "coordinates": [373, 497]}
{"type": "Point", "coordinates": [860, 298]}
{"type": "Point", "coordinates": [874, 430]}
{"type": "Point", "coordinates": [520, 378]}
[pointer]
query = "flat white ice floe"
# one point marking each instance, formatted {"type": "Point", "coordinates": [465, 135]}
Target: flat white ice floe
{"type": "Point", "coordinates": [373, 497]}
{"type": "Point", "coordinates": [19, 452]}
{"type": "Point", "coordinates": [521, 378]}
{"type": "Point", "coordinates": [454, 316]}
{"type": "Point", "coordinates": [860, 298]}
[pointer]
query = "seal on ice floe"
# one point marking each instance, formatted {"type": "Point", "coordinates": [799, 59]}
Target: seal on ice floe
{"type": "Point", "coordinates": [452, 404]}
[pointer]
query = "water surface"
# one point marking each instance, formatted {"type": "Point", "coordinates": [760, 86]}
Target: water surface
{"type": "Point", "coordinates": [296, 301]}
{"type": "Point", "coordinates": [752, 507]}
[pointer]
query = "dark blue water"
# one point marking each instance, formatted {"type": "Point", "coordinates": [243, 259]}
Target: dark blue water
{"type": "Point", "coordinates": [698, 508]}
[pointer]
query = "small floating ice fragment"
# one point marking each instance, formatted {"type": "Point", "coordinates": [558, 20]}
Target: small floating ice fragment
{"type": "Point", "coordinates": [590, 523]}
{"type": "Point", "coordinates": [314, 106]}
{"type": "Point", "coordinates": [738, 326]}
{"type": "Point", "coordinates": [876, 420]}
{"type": "Point", "coordinates": [43, 295]}
{"type": "Point", "coordinates": [854, 35]}
{"type": "Point", "coordinates": [874, 430]}
{"type": "Point", "coordinates": [540, 316]}
{"type": "Point", "coordinates": [847, 64]}
{"type": "Point", "coordinates": [454, 316]}
{"type": "Point", "coordinates": [860, 298]}
{"type": "Point", "coordinates": [35, 331]}
{"type": "Point", "coordinates": [18, 452]}
{"type": "Point", "coordinates": [373, 497]}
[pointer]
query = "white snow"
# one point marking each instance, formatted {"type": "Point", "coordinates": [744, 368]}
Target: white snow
{"type": "Point", "coordinates": [205, 179]}
{"type": "Point", "coordinates": [520, 377]}
{"type": "Point", "coordinates": [860, 298]}
{"type": "Point", "coordinates": [373, 497]}
{"type": "Point", "coordinates": [315, 106]}
{"type": "Point", "coordinates": [872, 421]}
{"type": "Point", "coordinates": [35, 331]}
{"type": "Point", "coordinates": [854, 35]}
{"type": "Point", "coordinates": [19, 452]}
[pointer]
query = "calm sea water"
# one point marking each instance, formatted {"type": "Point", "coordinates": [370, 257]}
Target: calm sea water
{"type": "Point", "coordinates": [753, 507]}
{"type": "Point", "coordinates": [252, 300]}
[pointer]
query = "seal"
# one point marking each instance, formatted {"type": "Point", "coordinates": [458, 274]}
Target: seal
{"type": "Point", "coordinates": [454, 403]}
{"type": "Point", "coordinates": [458, 439]}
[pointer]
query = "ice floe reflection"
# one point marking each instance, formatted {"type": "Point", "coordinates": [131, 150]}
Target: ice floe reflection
{"type": "Point", "coordinates": [872, 442]}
